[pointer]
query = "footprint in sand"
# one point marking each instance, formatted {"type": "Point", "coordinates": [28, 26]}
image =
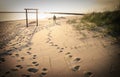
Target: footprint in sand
{"type": "Point", "coordinates": [33, 70]}
{"type": "Point", "coordinates": [75, 47]}
{"type": "Point", "coordinates": [76, 68]}
{"type": "Point", "coordinates": [44, 72]}
{"type": "Point", "coordinates": [48, 40]}
{"type": "Point", "coordinates": [13, 56]}
{"type": "Point", "coordinates": [58, 47]}
{"type": "Point", "coordinates": [14, 69]}
{"type": "Point", "coordinates": [22, 58]}
{"type": "Point", "coordinates": [2, 59]}
{"type": "Point", "coordinates": [51, 43]}
{"type": "Point", "coordinates": [88, 74]}
{"type": "Point", "coordinates": [55, 45]}
{"type": "Point", "coordinates": [34, 56]}
{"type": "Point", "coordinates": [35, 63]}
{"type": "Point", "coordinates": [25, 75]}
{"type": "Point", "coordinates": [67, 53]}
{"type": "Point", "coordinates": [8, 72]}
{"type": "Point", "coordinates": [61, 49]}
{"type": "Point", "coordinates": [17, 55]}
{"type": "Point", "coordinates": [70, 56]}
{"type": "Point", "coordinates": [29, 53]}
{"type": "Point", "coordinates": [20, 49]}
{"type": "Point", "coordinates": [8, 52]}
{"type": "Point", "coordinates": [19, 66]}
{"type": "Point", "coordinates": [77, 59]}
{"type": "Point", "coordinates": [29, 48]}
{"type": "Point", "coordinates": [65, 47]}
{"type": "Point", "coordinates": [44, 69]}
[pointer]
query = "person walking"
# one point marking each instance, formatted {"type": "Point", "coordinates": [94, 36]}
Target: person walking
{"type": "Point", "coordinates": [54, 19]}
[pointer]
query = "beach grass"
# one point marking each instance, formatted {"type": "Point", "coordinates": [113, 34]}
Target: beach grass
{"type": "Point", "coordinates": [105, 22]}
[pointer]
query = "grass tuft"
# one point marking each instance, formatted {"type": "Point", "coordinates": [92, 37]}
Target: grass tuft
{"type": "Point", "coordinates": [107, 23]}
{"type": "Point", "coordinates": [106, 20]}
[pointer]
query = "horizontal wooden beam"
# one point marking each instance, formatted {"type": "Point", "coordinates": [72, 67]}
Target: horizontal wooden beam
{"type": "Point", "coordinates": [30, 9]}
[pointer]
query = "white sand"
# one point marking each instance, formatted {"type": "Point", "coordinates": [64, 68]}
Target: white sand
{"type": "Point", "coordinates": [62, 50]}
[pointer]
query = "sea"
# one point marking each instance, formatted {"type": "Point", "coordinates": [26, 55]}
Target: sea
{"type": "Point", "coordinates": [20, 16]}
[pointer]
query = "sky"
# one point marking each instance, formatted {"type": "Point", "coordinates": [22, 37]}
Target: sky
{"type": "Point", "coordinates": [71, 6]}
{"type": "Point", "coordinates": [58, 5]}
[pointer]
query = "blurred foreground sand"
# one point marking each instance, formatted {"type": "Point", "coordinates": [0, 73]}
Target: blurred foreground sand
{"type": "Point", "coordinates": [56, 50]}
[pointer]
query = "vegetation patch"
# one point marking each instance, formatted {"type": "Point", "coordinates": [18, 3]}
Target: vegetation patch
{"type": "Point", "coordinates": [106, 20]}
{"type": "Point", "coordinates": [106, 23]}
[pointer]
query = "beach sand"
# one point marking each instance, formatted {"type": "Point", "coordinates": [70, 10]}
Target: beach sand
{"type": "Point", "coordinates": [55, 50]}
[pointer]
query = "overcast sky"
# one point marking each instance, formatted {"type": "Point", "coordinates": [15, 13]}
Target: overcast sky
{"type": "Point", "coordinates": [58, 5]}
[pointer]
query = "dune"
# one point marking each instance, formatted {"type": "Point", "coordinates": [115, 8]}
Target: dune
{"type": "Point", "coordinates": [55, 50]}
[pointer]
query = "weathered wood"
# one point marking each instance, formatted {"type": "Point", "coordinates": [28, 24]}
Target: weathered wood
{"type": "Point", "coordinates": [30, 9]}
{"type": "Point", "coordinates": [26, 18]}
{"type": "Point", "coordinates": [37, 17]}
{"type": "Point", "coordinates": [26, 9]}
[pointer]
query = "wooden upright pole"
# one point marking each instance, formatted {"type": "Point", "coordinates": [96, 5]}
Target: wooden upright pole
{"type": "Point", "coordinates": [26, 9]}
{"type": "Point", "coordinates": [36, 17]}
{"type": "Point", "coordinates": [26, 18]}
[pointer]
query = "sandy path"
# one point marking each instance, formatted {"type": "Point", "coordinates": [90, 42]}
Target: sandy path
{"type": "Point", "coordinates": [60, 51]}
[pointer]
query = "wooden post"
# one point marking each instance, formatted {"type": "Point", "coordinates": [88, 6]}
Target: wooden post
{"type": "Point", "coordinates": [26, 18]}
{"type": "Point", "coordinates": [36, 17]}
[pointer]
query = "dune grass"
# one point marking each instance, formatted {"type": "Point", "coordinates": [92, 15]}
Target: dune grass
{"type": "Point", "coordinates": [106, 20]}
{"type": "Point", "coordinates": [107, 23]}
{"type": "Point", "coordinates": [72, 21]}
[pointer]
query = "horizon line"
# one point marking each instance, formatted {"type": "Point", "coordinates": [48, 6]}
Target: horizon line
{"type": "Point", "coordinates": [68, 13]}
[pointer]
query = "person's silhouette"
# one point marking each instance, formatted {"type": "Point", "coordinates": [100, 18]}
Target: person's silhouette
{"type": "Point", "coordinates": [54, 19]}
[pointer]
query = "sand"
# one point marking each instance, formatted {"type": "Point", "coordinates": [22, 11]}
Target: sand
{"type": "Point", "coordinates": [56, 50]}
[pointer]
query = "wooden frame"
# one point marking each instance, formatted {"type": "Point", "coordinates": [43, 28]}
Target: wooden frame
{"type": "Point", "coordinates": [26, 11]}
